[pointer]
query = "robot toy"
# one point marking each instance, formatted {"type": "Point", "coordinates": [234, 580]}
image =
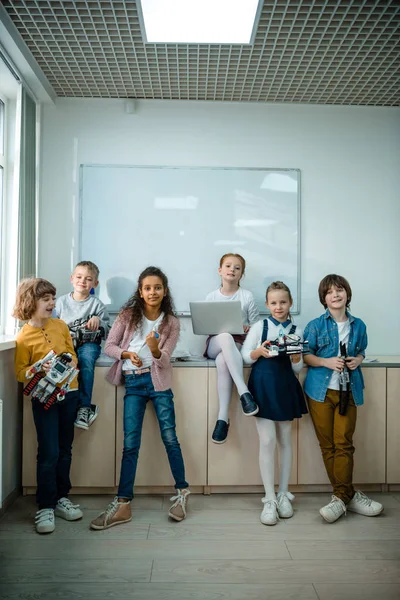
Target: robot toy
{"type": "Point", "coordinates": [287, 344]}
{"type": "Point", "coordinates": [344, 383]}
{"type": "Point", "coordinates": [82, 336]}
{"type": "Point", "coordinates": [43, 386]}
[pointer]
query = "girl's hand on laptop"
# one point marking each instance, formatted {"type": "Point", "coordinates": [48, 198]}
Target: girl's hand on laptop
{"type": "Point", "coordinates": [133, 357]}
{"type": "Point", "coordinates": [93, 324]}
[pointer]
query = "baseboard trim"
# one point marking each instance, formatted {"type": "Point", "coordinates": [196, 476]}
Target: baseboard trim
{"type": "Point", "coordinates": [11, 498]}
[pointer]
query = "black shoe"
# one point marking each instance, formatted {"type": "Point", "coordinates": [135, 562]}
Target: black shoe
{"type": "Point", "coordinates": [220, 432]}
{"type": "Point", "coordinates": [249, 407]}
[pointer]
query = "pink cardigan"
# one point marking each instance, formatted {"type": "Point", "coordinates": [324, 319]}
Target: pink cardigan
{"type": "Point", "coordinates": [118, 341]}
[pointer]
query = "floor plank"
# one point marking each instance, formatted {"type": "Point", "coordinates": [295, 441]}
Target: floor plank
{"type": "Point", "coordinates": [358, 591]}
{"type": "Point", "coordinates": [157, 591]}
{"type": "Point", "coordinates": [45, 548]}
{"type": "Point", "coordinates": [82, 570]}
{"type": "Point", "coordinates": [348, 549]}
{"type": "Point", "coordinates": [276, 571]}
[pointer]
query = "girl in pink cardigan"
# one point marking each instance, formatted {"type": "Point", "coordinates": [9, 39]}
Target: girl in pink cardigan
{"type": "Point", "coordinates": [141, 340]}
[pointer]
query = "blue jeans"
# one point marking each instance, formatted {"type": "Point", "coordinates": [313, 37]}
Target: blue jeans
{"type": "Point", "coordinates": [139, 389]}
{"type": "Point", "coordinates": [87, 355]}
{"type": "Point", "coordinates": [55, 434]}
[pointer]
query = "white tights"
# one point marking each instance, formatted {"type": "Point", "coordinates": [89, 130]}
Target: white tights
{"type": "Point", "coordinates": [229, 364]}
{"type": "Point", "coordinates": [269, 432]}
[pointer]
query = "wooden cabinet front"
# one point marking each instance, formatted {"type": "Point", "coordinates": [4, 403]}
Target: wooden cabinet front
{"type": "Point", "coordinates": [190, 398]}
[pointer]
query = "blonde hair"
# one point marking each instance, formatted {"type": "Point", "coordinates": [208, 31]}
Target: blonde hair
{"type": "Point", "coordinates": [279, 285]}
{"type": "Point", "coordinates": [90, 266]}
{"type": "Point", "coordinates": [29, 292]}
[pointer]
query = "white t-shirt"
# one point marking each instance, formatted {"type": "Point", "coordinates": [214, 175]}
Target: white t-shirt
{"type": "Point", "coordinates": [138, 344]}
{"type": "Point", "coordinates": [250, 312]}
{"type": "Point", "coordinates": [344, 333]}
{"type": "Point", "coordinates": [253, 340]}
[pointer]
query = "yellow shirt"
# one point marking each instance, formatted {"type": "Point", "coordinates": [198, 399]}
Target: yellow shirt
{"type": "Point", "coordinates": [33, 343]}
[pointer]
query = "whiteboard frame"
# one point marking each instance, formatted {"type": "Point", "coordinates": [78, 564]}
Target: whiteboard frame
{"type": "Point", "coordinates": [193, 168]}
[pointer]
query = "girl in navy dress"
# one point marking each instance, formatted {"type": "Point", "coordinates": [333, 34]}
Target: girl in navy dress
{"type": "Point", "coordinates": [278, 394]}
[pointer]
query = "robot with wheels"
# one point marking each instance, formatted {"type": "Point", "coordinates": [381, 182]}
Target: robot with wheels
{"type": "Point", "coordinates": [287, 344]}
{"type": "Point", "coordinates": [44, 386]}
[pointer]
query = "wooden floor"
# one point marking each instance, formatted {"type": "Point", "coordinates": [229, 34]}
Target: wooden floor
{"type": "Point", "coordinates": [220, 551]}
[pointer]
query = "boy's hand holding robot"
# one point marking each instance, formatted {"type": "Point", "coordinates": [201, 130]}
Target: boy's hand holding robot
{"type": "Point", "coordinates": [46, 374]}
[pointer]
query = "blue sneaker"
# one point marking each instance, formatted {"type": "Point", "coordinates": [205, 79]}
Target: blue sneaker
{"type": "Point", "coordinates": [220, 432]}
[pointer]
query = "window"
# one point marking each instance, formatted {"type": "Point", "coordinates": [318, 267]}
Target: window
{"type": "Point", "coordinates": [2, 180]}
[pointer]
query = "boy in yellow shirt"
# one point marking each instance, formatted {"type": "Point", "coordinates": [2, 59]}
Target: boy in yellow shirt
{"type": "Point", "coordinates": [55, 426]}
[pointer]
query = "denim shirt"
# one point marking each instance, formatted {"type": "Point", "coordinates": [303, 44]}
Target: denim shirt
{"type": "Point", "coordinates": [323, 341]}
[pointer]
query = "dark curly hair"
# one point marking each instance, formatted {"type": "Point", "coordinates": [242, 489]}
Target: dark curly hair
{"type": "Point", "coordinates": [132, 312]}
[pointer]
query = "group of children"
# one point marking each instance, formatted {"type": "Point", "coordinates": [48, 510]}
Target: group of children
{"type": "Point", "coordinates": [141, 341]}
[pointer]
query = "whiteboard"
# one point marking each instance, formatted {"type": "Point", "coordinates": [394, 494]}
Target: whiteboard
{"type": "Point", "coordinates": [182, 220]}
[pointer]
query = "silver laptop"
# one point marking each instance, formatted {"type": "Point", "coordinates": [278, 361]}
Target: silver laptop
{"type": "Point", "coordinates": [211, 318]}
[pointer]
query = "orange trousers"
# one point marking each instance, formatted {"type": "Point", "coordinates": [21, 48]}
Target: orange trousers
{"type": "Point", "coordinates": [335, 435]}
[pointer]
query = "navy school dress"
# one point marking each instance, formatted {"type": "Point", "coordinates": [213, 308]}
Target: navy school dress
{"type": "Point", "coordinates": [275, 387]}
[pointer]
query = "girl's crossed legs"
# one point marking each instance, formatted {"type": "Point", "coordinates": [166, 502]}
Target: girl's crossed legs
{"type": "Point", "coordinates": [229, 364]}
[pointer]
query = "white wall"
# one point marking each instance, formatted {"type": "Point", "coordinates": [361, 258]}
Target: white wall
{"type": "Point", "coordinates": [348, 156]}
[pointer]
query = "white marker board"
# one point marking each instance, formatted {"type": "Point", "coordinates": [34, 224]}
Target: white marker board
{"type": "Point", "coordinates": [183, 220]}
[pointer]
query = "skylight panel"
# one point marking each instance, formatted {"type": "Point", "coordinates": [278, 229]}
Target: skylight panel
{"type": "Point", "coordinates": [199, 21]}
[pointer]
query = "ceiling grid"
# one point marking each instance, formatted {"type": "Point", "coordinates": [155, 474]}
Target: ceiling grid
{"type": "Point", "coordinates": [306, 51]}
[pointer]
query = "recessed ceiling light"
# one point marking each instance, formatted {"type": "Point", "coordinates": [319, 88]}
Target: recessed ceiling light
{"type": "Point", "coordinates": [199, 21]}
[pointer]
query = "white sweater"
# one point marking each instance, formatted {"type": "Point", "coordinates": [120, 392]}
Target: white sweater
{"type": "Point", "coordinates": [253, 341]}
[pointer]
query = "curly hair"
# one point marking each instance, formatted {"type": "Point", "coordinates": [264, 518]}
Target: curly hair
{"type": "Point", "coordinates": [133, 310]}
{"type": "Point", "coordinates": [29, 292]}
{"type": "Point", "coordinates": [338, 282]}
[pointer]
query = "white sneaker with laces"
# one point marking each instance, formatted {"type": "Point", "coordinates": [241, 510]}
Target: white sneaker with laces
{"type": "Point", "coordinates": [285, 509]}
{"type": "Point", "coordinates": [82, 417]}
{"type": "Point", "coordinates": [269, 515]}
{"type": "Point", "coordinates": [361, 504]}
{"type": "Point", "coordinates": [68, 511]}
{"type": "Point", "coordinates": [334, 510]}
{"type": "Point", "coordinates": [44, 520]}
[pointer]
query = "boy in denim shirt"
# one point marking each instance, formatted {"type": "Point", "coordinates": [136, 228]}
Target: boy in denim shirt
{"type": "Point", "coordinates": [87, 319]}
{"type": "Point", "coordinates": [322, 386]}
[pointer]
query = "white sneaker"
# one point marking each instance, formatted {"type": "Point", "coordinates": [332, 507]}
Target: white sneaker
{"type": "Point", "coordinates": [44, 520]}
{"type": "Point", "coordinates": [361, 504]}
{"type": "Point", "coordinates": [334, 510]}
{"type": "Point", "coordinates": [68, 511]}
{"type": "Point", "coordinates": [285, 509]}
{"type": "Point", "coordinates": [269, 515]}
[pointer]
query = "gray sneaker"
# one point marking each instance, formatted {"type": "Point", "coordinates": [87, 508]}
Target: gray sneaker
{"type": "Point", "coordinates": [82, 418]}
{"type": "Point", "coordinates": [44, 520]}
{"type": "Point", "coordinates": [68, 511]}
